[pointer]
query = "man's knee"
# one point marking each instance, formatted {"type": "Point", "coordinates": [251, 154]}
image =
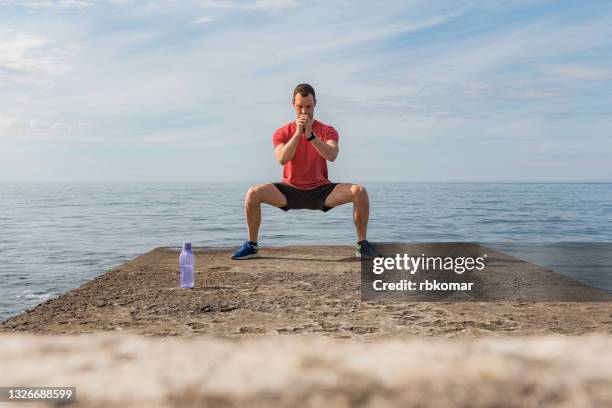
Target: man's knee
{"type": "Point", "coordinates": [359, 193]}
{"type": "Point", "coordinates": [252, 196]}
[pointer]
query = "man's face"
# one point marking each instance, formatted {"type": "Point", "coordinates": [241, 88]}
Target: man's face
{"type": "Point", "coordinates": [304, 105]}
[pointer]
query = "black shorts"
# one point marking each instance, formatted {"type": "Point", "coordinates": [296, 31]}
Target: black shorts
{"type": "Point", "coordinates": [298, 199]}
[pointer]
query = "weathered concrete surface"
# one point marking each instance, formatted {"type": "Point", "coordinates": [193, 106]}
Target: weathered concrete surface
{"type": "Point", "coordinates": [113, 370]}
{"type": "Point", "coordinates": [292, 290]}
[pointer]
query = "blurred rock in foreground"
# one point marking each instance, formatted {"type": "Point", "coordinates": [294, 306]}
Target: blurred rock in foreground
{"type": "Point", "coordinates": [302, 371]}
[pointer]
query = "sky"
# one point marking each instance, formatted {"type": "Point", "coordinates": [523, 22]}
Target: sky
{"type": "Point", "coordinates": [192, 91]}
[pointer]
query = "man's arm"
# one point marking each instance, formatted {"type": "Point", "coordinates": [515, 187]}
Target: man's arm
{"type": "Point", "coordinates": [329, 150]}
{"type": "Point", "coordinates": [285, 151]}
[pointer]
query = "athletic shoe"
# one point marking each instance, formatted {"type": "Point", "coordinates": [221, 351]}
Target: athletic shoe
{"type": "Point", "coordinates": [247, 251]}
{"type": "Point", "coordinates": [367, 251]}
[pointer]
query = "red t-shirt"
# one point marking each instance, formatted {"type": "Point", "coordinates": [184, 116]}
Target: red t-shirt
{"type": "Point", "coordinates": [307, 169]}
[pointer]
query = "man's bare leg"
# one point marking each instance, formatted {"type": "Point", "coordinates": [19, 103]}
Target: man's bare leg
{"type": "Point", "coordinates": [261, 193]}
{"type": "Point", "coordinates": [345, 193]}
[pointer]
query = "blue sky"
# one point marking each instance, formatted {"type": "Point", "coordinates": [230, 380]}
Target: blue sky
{"type": "Point", "coordinates": [418, 90]}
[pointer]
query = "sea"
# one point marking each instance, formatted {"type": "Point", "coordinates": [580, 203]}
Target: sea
{"type": "Point", "coordinates": [56, 236]}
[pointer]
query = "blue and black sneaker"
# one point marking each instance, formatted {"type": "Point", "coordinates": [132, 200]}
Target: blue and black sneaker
{"type": "Point", "coordinates": [366, 250]}
{"type": "Point", "coordinates": [248, 250]}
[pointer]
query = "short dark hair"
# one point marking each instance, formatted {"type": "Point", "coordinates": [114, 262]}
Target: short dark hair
{"type": "Point", "coordinates": [304, 90]}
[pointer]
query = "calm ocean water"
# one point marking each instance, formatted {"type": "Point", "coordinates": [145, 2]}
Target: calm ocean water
{"type": "Point", "coordinates": [54, 237]}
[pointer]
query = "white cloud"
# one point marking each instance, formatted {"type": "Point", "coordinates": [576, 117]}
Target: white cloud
{"type": "Point", "coordinates": [25, 57]}
{"type": "Point", "coordinates": [533, 94]}
{"type": "Point", "coordinates": [203, 20]}
{"type": "Point", "coordinates": [40, 4]}
{"type": "Point", "coordinates": [60, 4]}
{"type": "Point", "coordinates": [573, 72]}
{"type": "Point", "coordinates": [27, 126]}
{"type": "Point", "coordinates": [270, 5]}
{"type": "Point", "coordinates": [221, 4]}
{"type": "Point", "coordinates": [502, 63]}
{"type": "Point", "coordinates": [347, 36]}
{"type": "Point", "coordinates": [257, 5]}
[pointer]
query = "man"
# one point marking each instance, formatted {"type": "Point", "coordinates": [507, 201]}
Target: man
{"type": "Point", "coordinates": [303, 147]}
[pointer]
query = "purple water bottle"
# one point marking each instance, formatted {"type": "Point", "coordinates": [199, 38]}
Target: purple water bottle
{"type": "Point", "coordinates": [187, 263]}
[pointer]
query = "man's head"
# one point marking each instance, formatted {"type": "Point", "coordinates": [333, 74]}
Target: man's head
{"type": "Point", "coordinates": [304, 100]}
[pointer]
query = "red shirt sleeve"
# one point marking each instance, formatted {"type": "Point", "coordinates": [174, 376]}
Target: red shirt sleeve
{"type": "Point", "coordinates": [280, 136]}
{"type": "Point", "coordinates": [331, 134]}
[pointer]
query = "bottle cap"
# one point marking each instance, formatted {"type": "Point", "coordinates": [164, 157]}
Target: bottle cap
{"type": "Point", "coordinates": [186, 246]}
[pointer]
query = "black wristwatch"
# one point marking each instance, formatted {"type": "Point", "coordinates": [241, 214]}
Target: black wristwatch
{"type": "Point", "coordinates": [312, 136]}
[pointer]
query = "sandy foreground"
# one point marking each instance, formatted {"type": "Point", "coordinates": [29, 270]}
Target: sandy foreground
{"type": "Point", "coordinates": [301, 371]}
{"type": "Point", "coordinates": [290, 330]}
